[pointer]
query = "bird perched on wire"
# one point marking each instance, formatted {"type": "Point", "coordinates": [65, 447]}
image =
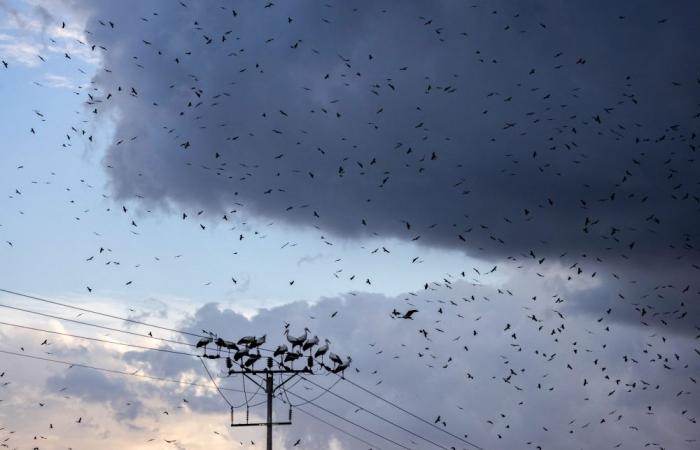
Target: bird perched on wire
{"type": "Point", "coordinates": [340, 368]}
{"type": "Point", "coordinates": [204, 342]}
{"type": "Point", "coordinates": [281, 350]}
{"type": "Point", "coordinates": [257, 342]}
{"type": "Point", "coordinates": [322, 350]}
{"type": "Point", "coordinates": [310, 343]}
{"type": "Point", "coordinates": [297, 341]}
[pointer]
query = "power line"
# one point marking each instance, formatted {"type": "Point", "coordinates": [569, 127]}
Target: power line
{"type": "Point", "coordinates": [349, 421]}
{"type": "Point", "coordinates": [339, 429]}
{"type": "Point", "coordinates": [53, 302]}
{"type": "Point", "coordinates": [325, 391]}
{"type": "Point", "coordinates": [80, 322]}
{"type": "Point", "coordinates": [141, 347]}
{"type": "Point", "coordinates": [119, 372]}
{"type": "Point", "coordinates": [341, 377]}
{"type": "Point", "coordinates": [113, 371]}
{"type": "Point", "coordinates": [245, 403]}
{"type": "Point", "coordinates": [165, 350]}
{"type": "Point", "coordinates": [328, 390]}
{"type": "Point", "coordinates": [222, 394]}
{"type": "Point", "coordinates": [410, 413]}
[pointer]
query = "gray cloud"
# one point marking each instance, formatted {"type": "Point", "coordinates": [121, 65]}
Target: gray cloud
{"type": "Point", "coordinates": [96, 387]}
{"type": "Point", "coordinates": [500, 95]}
{"type": "Point", "coordinates": [520, 385]}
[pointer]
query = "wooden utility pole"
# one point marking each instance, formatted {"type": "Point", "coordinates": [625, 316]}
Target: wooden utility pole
{"type": "Point", "coordinates": [270, 389]}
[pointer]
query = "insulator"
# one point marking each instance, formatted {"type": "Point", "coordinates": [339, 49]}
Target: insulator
{"type": "Point", "coordinates": [232, 415]}
{"type": "Point", "coordinates": [269, 362]}
{"type": "Point", "coordinates": [310, 362]}
{"type": "Point", "coordinates": [290, 413]}
{"type": "Point", "coordinates": [247, 414]}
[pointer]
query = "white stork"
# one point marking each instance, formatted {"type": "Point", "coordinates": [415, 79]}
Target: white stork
{"type": "Point", "coordinates": [204, 342]}
{"type": "Point", "coordinates": [257, 342]}
{"type": "Point", "coordinates": [310, 343]}
{"type": "Point", "coordinates": [322, 350]}
{"type": "Point", "coordinates": [240, 354]}
{"type": "Point", "coordinates": [297, 341]}
{"type": "Point", "coordinates": [246, 340]}
{"type": "Point", "coordinates": [335, 358]}
{"type": "Point", "coordinates": [340, 368]}
{"type": "Point", "coordinates": [292, 356]}
{"type": "Point", "coordinates": [280, 350]}
{"type": "Point", "coordinates": [252, 359]}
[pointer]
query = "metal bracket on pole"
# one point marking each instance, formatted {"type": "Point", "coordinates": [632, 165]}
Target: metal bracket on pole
{"type": "Point", "coordinates": [270, 390]}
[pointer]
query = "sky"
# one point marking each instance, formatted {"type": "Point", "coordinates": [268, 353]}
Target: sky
{"type": "Point", "coordinates": [523, 176]}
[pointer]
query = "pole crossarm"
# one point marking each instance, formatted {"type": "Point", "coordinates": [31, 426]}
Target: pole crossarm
{"type": "Point", "coordinates": [260, 424]}
{"type": "Point", "coordinates": [284, 382]}
{"type": "Point", "coordinates": [264, 371]}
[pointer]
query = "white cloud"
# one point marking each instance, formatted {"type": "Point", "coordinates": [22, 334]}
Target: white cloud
{"type": "Point", "coordinates": [58, 81]}
{"type": "Point", "coordinates": [22, 52]}
{"type": "Point", "coordinates": [36, 32]}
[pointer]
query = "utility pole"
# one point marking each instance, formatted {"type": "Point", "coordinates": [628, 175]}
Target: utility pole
{"type": "Point", "coordinates": [245, 360]}
{"type": "Point", "coordinates": [270, 389]}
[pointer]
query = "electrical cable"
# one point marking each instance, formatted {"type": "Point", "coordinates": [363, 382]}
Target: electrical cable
{"type": "Point", "coordinates": [410, 413]}
{"type": "Point", "coordinates": [371, 446]}
{"type": "Point", "coordinates": [141, 347]}
{"type": "Point", "coordinates": [350, 421]}
{"type": "Point", "coordinates": [113, 371]}
{"type": "Point", "coordinates": [65, 305]}
{"type": "Point", "coordinates": [206, 369]}
{"type": "Point", "coordinates": [117, 330]}
{"type": "Point", "coordinates": [328, 390]}
{"type": "Point", "coordinates": [325, 391]}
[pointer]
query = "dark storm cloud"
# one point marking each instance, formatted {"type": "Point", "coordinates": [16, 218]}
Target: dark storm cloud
{"type": "Point", "coordinates": [456, 118]}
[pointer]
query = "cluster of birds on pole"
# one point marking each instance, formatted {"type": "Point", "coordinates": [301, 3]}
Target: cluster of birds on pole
{"type": "Point", "coordinates": [245, 353]}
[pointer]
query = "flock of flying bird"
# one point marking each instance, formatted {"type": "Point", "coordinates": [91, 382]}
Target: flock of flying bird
{"type": "Point", "coordinates": [229, 161]}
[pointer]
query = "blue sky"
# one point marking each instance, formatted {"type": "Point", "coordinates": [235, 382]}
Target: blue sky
{"type": "Point", "coordinates": [50, 245]}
